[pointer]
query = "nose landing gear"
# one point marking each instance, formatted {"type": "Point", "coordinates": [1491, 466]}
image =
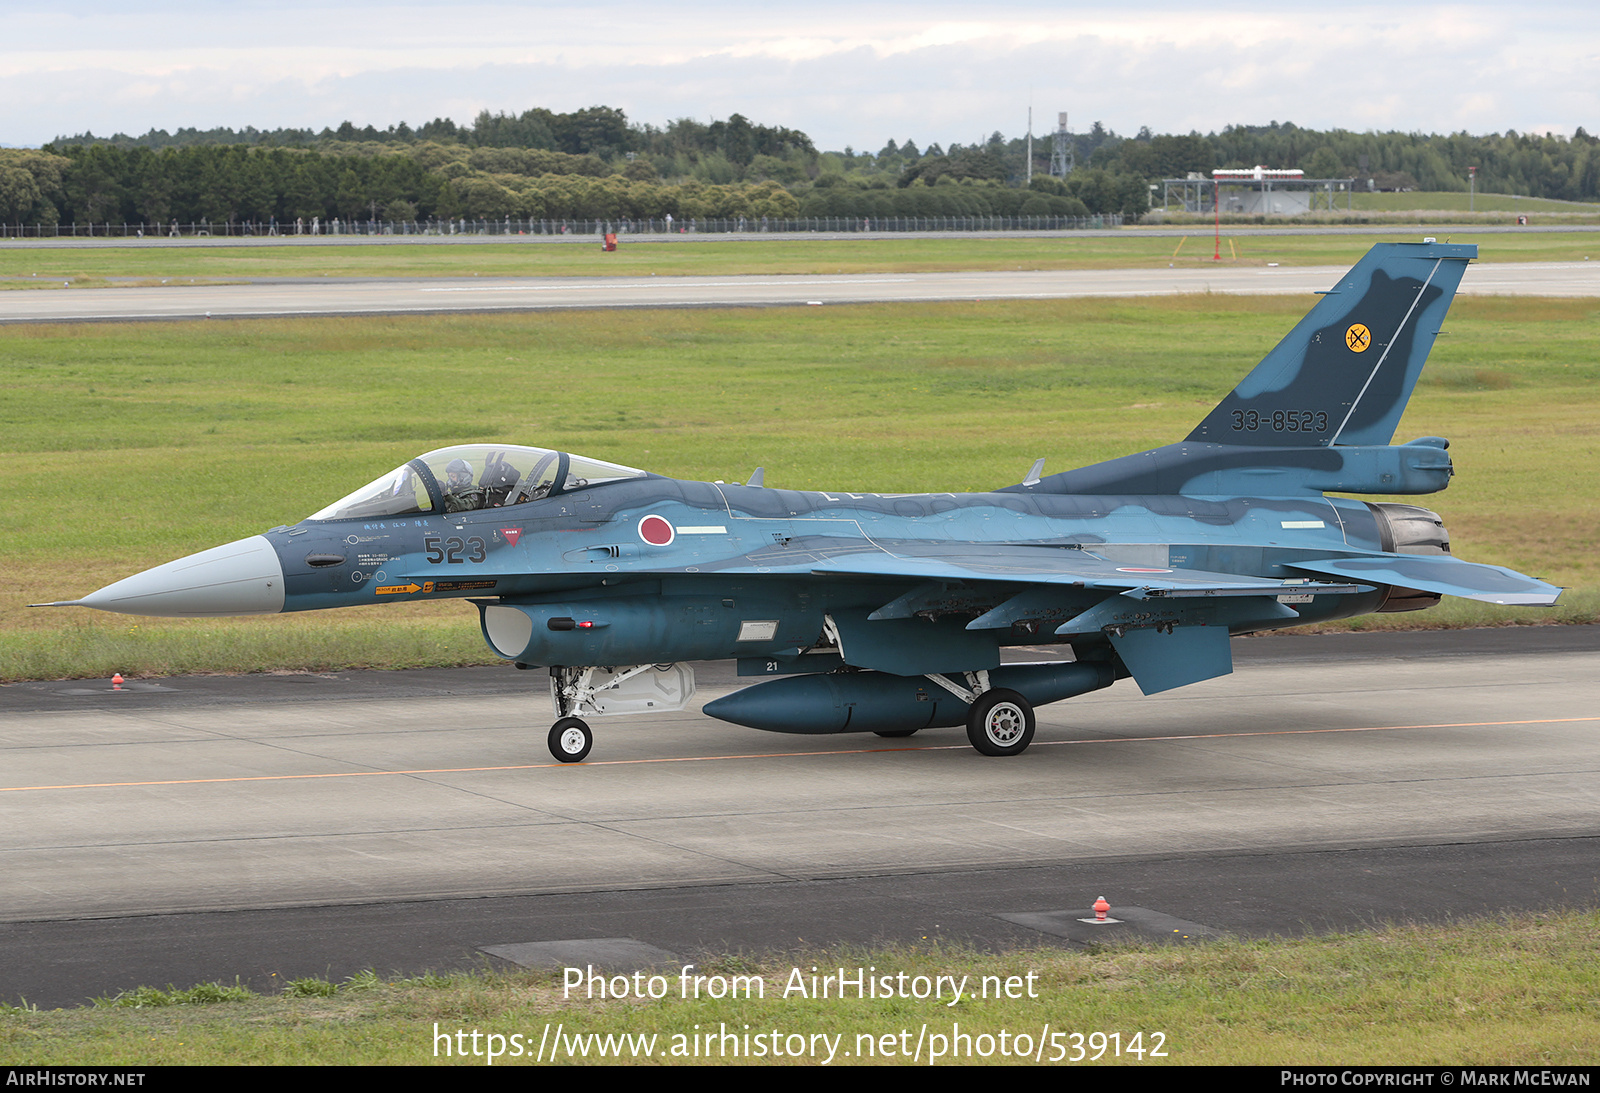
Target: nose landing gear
{"type": "Point", "coordinates": [570, 740]}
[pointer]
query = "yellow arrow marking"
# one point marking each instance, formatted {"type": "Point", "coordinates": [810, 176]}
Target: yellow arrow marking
{"type": "Point", "coordinates": [396, 589]}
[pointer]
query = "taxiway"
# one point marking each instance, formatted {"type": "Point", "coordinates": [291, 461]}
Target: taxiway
{"type": "Point", "coordinates": [362, 798]}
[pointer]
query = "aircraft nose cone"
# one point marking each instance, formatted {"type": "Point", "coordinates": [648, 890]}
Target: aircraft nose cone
{"type": "Point", "coordinates": [242, 578]}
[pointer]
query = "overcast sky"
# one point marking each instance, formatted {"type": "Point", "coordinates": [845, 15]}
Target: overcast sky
{"type": "Point", "coordinates": [846, 73]}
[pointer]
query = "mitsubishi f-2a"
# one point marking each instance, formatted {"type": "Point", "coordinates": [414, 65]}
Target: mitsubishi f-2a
{"type": "Point", "coordinates": [888, 613]}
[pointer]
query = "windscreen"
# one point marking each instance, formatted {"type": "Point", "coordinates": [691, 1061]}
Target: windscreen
{"type": "Point", "coordinates": [474, 476]}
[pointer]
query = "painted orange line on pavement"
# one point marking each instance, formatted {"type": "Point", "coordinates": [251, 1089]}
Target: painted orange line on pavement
{"type": "Point", "coordinates": [1309, 732]}
{"type": "Point", "coordinates": [774, 755]}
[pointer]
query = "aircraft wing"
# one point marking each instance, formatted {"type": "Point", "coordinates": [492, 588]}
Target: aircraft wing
{"type": "Point", "coordinates": [1054, 566]}
{"type": "Point", "coordinates": [1062, 566]}
{"type": "Point", "coordinates": [1170, 626]}
{"type": "Point", "coordinates": [1438, 573]}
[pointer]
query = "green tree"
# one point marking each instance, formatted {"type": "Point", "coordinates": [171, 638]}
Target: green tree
{"type": "Point", "coordinates": [1324, 163]}
{"type": "Point", "coordinates": [19, 194]}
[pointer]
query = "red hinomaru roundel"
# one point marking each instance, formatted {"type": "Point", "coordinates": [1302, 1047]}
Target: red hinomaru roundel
{"type": "Point", "coordinates": [656, 530]}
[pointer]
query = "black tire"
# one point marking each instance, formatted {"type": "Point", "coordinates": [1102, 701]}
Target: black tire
{"type": "Point", "coordinates": [895, 734]}
{"type": "Point", "coordinates": [570, 740]}
{"type": "Point", "coordinates": [1000, 723]}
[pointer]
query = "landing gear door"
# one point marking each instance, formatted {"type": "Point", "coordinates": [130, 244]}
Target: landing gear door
{"type": "Point", "coordinates": [602, 692]}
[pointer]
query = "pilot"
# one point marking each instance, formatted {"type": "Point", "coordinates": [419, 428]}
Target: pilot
{"type": "Point", "coordinates": [460, 495]}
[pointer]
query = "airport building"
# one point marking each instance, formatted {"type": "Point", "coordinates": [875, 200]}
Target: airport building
{"type": "Point", "coordinates": [1255, 191]}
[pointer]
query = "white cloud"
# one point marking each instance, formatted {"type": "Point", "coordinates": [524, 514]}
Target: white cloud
{"type": "Point", "coordinates": [847, 74]}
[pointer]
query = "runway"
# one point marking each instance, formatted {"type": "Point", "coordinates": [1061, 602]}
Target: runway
{"type": "Point", "coordinates": [398, 795]}
{"type": "Point", "coordinates": [338, 296]}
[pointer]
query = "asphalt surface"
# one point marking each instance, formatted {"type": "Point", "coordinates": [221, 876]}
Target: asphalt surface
{"type": "Point", "coordinates": [269, 827]}
{"type": "Point", "coordinates": [352, 296]}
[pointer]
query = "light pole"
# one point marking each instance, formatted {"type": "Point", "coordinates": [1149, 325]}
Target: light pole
{"type": "Point", "coordinates": [1472, 187]}
{"type": "Point", "coordinates": [1216, 212]}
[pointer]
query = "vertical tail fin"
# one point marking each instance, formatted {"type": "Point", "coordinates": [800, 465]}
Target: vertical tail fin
{"type": "Point", "coordinates": [1343, 375]}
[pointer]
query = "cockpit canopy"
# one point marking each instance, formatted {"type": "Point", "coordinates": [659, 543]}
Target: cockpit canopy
{"type": "Point", "coordinates": [474, 476]}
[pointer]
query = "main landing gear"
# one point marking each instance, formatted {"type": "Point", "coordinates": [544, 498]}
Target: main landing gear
{"type": "Point", "coordinates": [570, 739]}
{"type": "Point", "coordinates": [1000, 723]}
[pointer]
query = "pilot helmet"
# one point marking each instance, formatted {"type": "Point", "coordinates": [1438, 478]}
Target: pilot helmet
{"type": "Point", "coordinates": [459, 472]}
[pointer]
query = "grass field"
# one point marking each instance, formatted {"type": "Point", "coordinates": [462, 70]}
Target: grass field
{"type": "Point", "coordinates": [61, 268]}
{"type": "Point", "coordinates": [1515, 991]}
{"type": "Point", "coordinates": [1418, 200]}
{"type": "Point", "coordinates": [128, 445]}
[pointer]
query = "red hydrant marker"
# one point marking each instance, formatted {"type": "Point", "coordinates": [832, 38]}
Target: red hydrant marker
{"type": "Point", "coordinates": [1101, 918]}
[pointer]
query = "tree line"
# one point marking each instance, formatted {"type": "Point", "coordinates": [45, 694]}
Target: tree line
{"type": "Point", "coordinates": [595, 164]}
{"type": "Point", "coordinates": [232, 183]}
{"type": "Point", "coordinates": [1533, 165]}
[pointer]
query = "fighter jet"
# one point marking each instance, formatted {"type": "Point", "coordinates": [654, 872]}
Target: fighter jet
{"type": "Point", "coordinates": [888, 613]}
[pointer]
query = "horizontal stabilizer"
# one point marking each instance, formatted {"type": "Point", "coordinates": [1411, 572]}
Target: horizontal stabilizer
{"type": "Point", "coordinates": [1438, 573]}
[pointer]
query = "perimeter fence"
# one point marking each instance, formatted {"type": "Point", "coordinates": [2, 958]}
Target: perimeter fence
{"type": "Point", "coordinates": [556, 227]}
